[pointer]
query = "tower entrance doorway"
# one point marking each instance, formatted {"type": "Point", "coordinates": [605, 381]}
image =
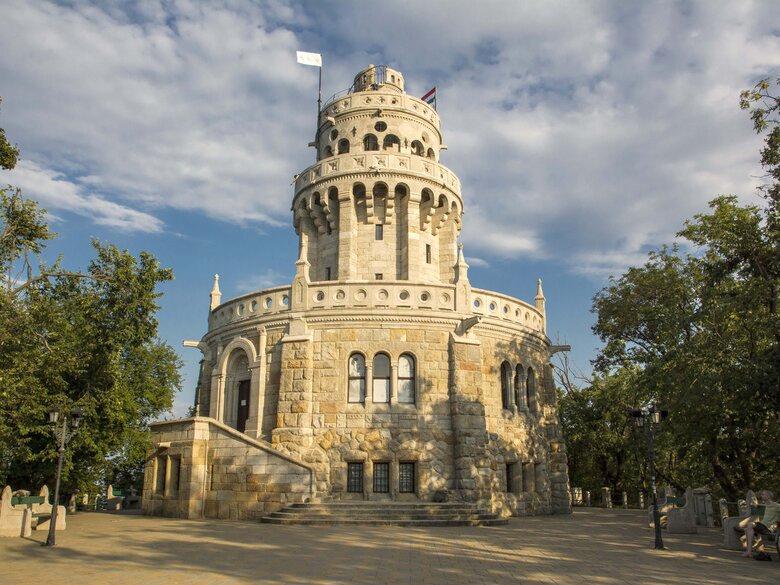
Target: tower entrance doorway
{"type": "Point", "coordinates": [243, 405]}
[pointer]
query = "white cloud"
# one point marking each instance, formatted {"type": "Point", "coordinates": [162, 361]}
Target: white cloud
{"type": "Point", "coordinates": [54, 190]}
{"type": "Point", "coordinates": [475, 261]}
{"type": "Point", "coordinates": [583, 133]}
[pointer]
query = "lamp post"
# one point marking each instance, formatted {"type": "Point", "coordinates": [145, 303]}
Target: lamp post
{"type": "Point", "coordinates": [648, 418]}
{"type": "Point", "coordinates": [63, 434]}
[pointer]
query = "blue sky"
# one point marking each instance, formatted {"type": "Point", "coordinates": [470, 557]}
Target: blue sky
{"type": "Point", "coordinates": [583, 133]}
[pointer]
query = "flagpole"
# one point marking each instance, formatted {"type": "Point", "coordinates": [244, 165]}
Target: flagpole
{"type": "Point", "coordinates": [319, 107]}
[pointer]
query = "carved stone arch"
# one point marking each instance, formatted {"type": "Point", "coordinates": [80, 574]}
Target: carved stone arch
{"type": "Point", "coordinates": [237, 343]}
{"type": "Point", "coordinates": [360, 201]}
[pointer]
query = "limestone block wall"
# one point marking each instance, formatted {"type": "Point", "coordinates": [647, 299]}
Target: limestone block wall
{"type": "Point", "coordinates": [368, 432]}
{"type": "Point", "coordinates": [201, 468]}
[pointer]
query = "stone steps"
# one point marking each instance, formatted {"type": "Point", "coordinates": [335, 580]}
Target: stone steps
{"type": "Point", "coordinates": [385, 514]}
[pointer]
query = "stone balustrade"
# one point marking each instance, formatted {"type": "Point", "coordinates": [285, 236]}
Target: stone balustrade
{"type": "Point", "coordinates": [384, 100]}
{"type": "Point", "coordinates": [377, 161]}
{"type": "Point", "coordinates": [272, 301]}
{"type": "Point", "coordinates": [395, 295]}
{"type": "Point", "coordinates": [496, 305]}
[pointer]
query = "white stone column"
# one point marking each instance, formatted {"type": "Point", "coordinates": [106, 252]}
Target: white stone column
{"type": "Point", "coordinates": [254, 424]}
{"type": "Point", "coordinates": [393, 383]}
{"type": "Point", "coordinates": [217, 399]}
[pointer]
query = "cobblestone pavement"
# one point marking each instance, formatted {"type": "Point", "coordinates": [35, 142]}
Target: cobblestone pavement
{"type": "Point", "coordinates": [591, 546]}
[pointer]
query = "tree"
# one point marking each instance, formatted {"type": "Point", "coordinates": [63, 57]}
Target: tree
{"type": "Point", "coordinates": [699, 334]}
{"type": "Point", "coordinates": [86, 339]}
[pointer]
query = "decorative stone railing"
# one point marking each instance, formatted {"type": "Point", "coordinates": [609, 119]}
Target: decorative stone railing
{"type": "Point", "coordinates": [272, 301]}
{"type": "Point", "coordinates": [492, 304]}
{"type": "Point", "coordinates": [398, 294]}
{"type": "Point", "coordinates": [388, 294]}
{"type": "Point", "coordinates": [377, 161]}
{"type": "Point", "coordinates": [380, 100]}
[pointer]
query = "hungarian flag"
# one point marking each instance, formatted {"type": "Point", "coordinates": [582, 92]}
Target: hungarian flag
{"type": "Point", "coordinates": [430, 98]}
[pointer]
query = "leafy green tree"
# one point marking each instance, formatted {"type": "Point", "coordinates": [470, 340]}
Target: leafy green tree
{"type": "Point", "coordinates": [9, 154]}
{"type": "Point", "coordinates": [77, 339]}
{"type": "Point", "coordinates": [698, 334]}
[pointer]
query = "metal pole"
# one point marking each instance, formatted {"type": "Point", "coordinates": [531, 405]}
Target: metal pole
{"type": "Point", "coordinates": [50, 539]}
{"type": "Point", "coordinates": [659, 543]}
{"type": "Point", "coordinates": [319, 109]}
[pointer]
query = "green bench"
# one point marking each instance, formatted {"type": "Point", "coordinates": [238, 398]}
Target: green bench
{"type": "Point", "coordinates": [32, 502]}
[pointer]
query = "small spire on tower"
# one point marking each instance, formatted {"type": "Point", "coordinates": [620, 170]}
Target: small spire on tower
{"type": "Point", "coordinates": [461, 268]}
{"type": "Point", "coordinates": [216, 294]}
{"type": "Point", "coordinates": [539, 291]}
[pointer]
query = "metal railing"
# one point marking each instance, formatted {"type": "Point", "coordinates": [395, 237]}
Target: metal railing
{"type": "Point", "coordinates": [380, 76]}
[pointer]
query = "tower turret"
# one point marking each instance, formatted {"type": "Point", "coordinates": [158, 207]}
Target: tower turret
{"type": "Point", "coordinates": [378, 191]}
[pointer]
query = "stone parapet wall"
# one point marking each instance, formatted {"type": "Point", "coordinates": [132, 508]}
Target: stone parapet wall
{"type": "Point", "coordinates": [221, 473]}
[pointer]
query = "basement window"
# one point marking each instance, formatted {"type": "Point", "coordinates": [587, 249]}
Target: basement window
{"type": "Point", "coordinates": [381, 478]}
{"type": "Point", "coordinates": [406, 477]}
{"type": "Point", "coordinates": [355, 478]}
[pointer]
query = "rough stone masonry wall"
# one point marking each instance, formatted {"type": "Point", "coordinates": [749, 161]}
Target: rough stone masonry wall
{"type": "Point", "coordinates": [222, 473]}
{"type": "Point", "coordinates": [349, 432]}
{"type": "Point", "coordinates": [525, 437]}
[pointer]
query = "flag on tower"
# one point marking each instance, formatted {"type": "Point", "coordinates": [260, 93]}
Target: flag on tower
{"type": "Point", "coordinates": [314, 59]}
{"type": "Point", "coordinates": [430, 98]}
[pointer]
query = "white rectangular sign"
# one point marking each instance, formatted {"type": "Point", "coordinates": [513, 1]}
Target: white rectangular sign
{"type": "Point", "coordinates": [309, 58]}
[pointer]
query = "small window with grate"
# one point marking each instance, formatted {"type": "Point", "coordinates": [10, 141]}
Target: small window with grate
{"type": "Point", "coordinates": [378, 276]}
{"type": "Point", "coordinates": [406, 477]}
{"type": "Point", "coordinates": [355, 478]}
{"type": "Point", "coordinates": [510, 476]}
{"type": "Point", "coordinates": [381, 478]}
{"type": "Point", "coordinates": [428, 253]}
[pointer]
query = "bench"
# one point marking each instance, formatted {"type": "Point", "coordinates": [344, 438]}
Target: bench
{"type": "Point", "coordinates": [14, 521]}
{"type": "Point", "coordinates": [731, 538]}
{"type": "Point", "coordinates": [757, 512]}
{"type": "Point", "coordinates": [40, 509]}
{"type": "Point", "coordinates": [681, 518]}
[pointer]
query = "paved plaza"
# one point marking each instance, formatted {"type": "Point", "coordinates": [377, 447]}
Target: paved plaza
{"type": "Point", "coordinates": [592, 546]}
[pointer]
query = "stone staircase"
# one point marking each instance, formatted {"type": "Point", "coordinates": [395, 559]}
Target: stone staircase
{"type": "Point", "coordinates": [421, 514]}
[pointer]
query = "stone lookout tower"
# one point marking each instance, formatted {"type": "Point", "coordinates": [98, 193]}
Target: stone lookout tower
{"type": "Point", "coordinates": [379, 373]}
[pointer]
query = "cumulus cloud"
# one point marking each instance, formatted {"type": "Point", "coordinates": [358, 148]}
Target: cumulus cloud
{"type": "Point", "coordinates": [583, 133]}
{"type": "Point", "coordinates": [54, 190]}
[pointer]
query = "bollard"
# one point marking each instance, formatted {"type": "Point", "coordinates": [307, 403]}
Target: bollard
{"type": "Point", "coordinates": [606, 497]}
{"type": "Point", "coordinates": [625, 500]}
{"type": "Point", "coordinates": [587, 498]}
{"type": "Point", "coordinates": [641, 500]}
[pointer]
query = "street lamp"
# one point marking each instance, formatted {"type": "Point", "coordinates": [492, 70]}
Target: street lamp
{"type": "Point", "coordinates": [648, 418]}
{"type": "Point", "coordinates": [63, 434]}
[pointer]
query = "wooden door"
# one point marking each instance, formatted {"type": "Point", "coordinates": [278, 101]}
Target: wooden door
{"type": "Point", "coordinates": [243, 405]}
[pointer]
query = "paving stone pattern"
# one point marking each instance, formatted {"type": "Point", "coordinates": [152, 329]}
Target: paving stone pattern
{"type": "Point", "coordinates": [591, 546]}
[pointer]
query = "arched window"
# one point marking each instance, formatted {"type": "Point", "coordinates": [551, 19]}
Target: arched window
{"type": "Point", "coordinates": [519, 381]}
{"type": "Point", "coordinates": [406, 379]}
{"type": "Point", "coordinates": [431, 154]}
{"type": "Point", "coordinates": [506, 385]}
{"type": "Point", "coordinates": [343, 146]}
{"type": "Point", "coordinates": [370, 142]}
{"type": "Point", "coordinates": [391, 142]}
{"type": "Point", "coordinates": [381, 381]}
{"type": "Point", "coordinates": [530, 391]}
{"type": "Point", "coordinates": [357, 378]}
{"type": "Point", "coordinates": [418, 148]}
{"type": "Point", "coordinates": [328, 151]}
